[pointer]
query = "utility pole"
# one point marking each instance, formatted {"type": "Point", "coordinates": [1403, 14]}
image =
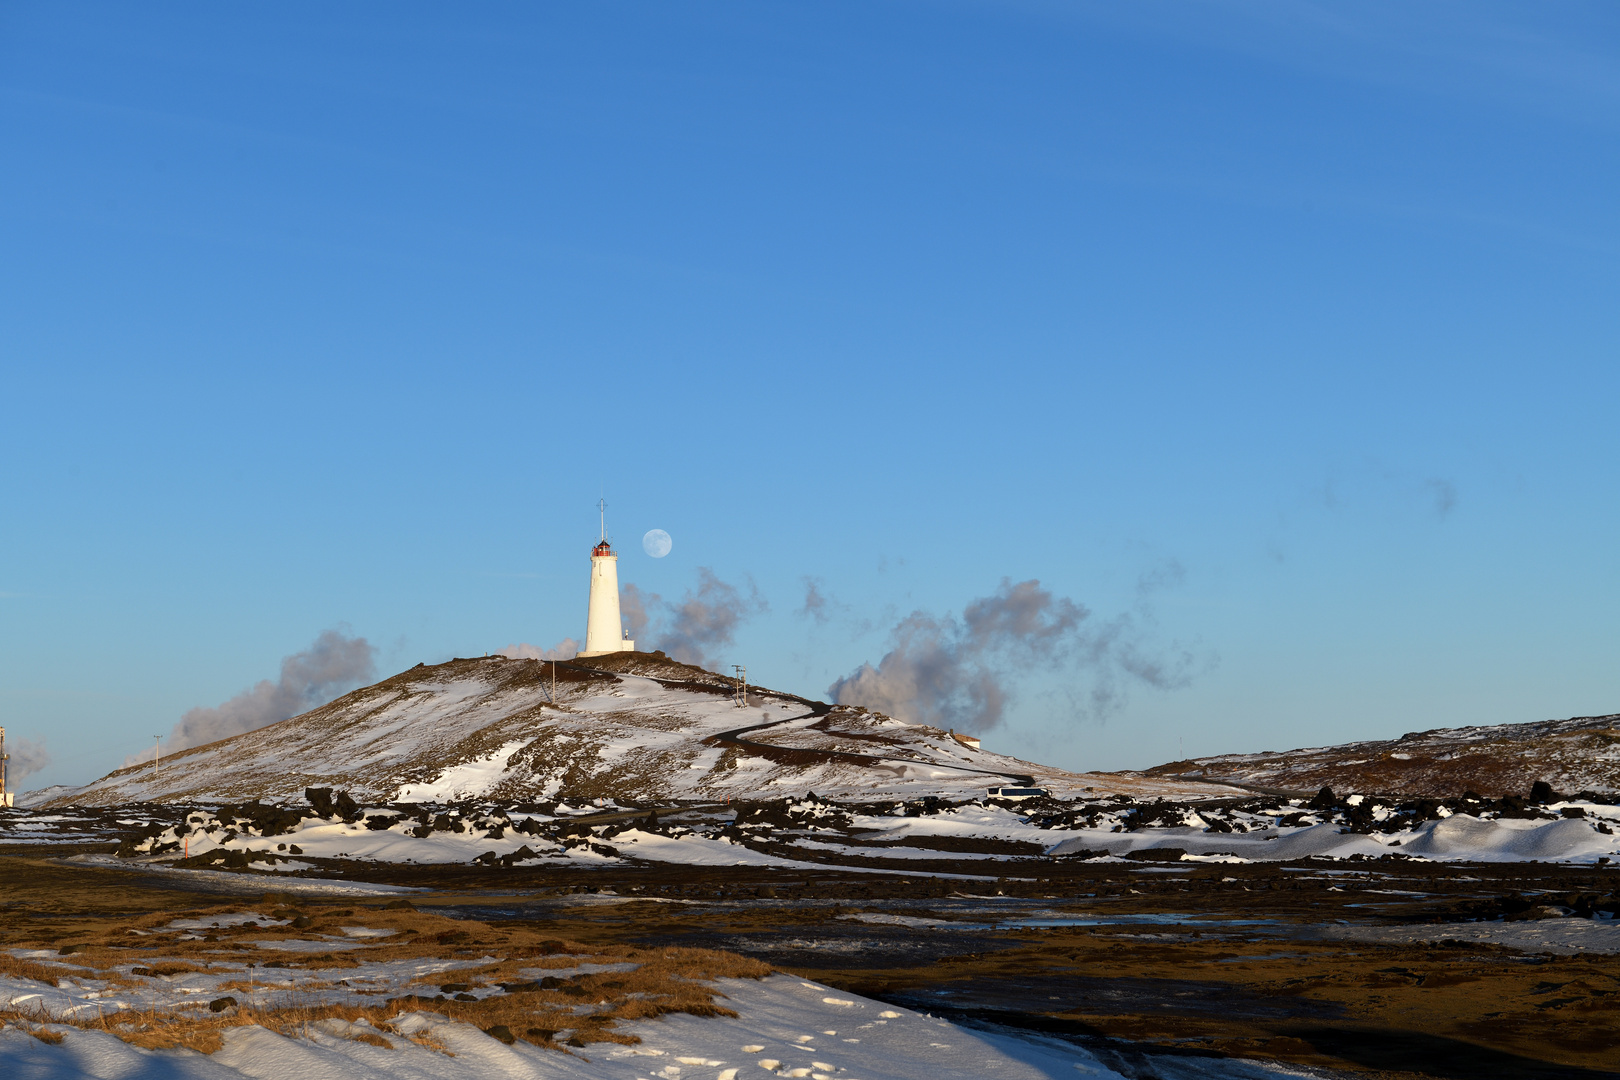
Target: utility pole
{"type": "Point", "coordinates": [742, 688]}
{"type": "Point", "coordinates": [156, 740]}
{"type": "Point", "coordinates": [5, 797]}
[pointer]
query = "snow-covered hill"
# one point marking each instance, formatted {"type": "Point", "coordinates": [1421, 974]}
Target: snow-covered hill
{"type": "Point", "coordinates": [1574, 755]}
{"type": "Point", "coordinates": [633, 727]}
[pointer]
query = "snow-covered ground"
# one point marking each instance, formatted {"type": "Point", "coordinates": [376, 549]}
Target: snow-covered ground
{"type": "Point", "coordinates": [1459, 837]}
{"type": "Point", "coordinates": [785, 1027]}
{"type": "Point", "coordinates": [971, 839]}
{"type": "Point", "coordinates": [967, 838]}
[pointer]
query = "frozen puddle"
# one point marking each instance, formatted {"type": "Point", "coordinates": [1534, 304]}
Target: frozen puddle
{"type": "Point", "coordinates": [785, 1027]}
{"type": "Point", "coordinates": [919, 922]}
{"type": "Point", "coordinates": [304, 946]}
{"type": "Point", "coordinates": [215, 922]}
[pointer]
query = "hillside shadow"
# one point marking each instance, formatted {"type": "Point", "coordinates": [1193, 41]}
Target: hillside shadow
{"type": "Point", "coordinates": [1436, 1055]}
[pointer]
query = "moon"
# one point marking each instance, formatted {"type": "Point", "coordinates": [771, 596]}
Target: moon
{"type": "Point", "coordinates": [657, 543]}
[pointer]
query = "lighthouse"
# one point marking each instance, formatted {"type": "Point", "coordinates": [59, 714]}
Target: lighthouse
{"type": "Point", "coordinates": [604, 633]}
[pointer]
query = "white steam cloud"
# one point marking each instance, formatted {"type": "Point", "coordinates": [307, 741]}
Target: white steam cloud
{"type": "Point", "coordinates": [333, 665]}
{"type": "Point", "coordinates": [961, 672]}
{"type": "Point", "coordinates": [566, 649]}
{"type": "Point", "coordinates": [696, 627]}
{"type": "Point", "coordinates": [28, 756]}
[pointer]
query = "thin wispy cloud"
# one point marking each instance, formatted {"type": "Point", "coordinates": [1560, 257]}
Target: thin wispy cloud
{"type": "Point", "coordinates": [1540, 58]}
{"type": "Point", "coordinates": [816, 604]}
{"type": "Point", "coordinates": [1444, 494]}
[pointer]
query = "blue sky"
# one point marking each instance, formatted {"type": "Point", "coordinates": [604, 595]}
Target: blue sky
{"type": "Point", "coordinates": [1283, 335]}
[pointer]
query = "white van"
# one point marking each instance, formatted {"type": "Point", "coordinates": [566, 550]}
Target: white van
{"type": "Point", "coordinates": [1018, 792]}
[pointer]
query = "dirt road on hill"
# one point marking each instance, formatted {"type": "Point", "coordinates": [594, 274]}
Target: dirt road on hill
{"type": "Point", "coordinates": [735, 738]}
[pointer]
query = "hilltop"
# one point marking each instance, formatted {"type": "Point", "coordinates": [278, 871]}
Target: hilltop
{"type": "Point", "coordinates": [1574, 755]}
{"type": "Point", "coordinates": [635, 727]}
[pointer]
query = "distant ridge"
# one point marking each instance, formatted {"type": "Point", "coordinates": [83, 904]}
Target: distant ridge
{"type": "Point", "coordinates": [634, 727]}
{"type": "Point", "coordinates": [1574, 755]}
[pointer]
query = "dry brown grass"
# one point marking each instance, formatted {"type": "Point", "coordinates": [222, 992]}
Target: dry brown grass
{"type": "Point", "coordinates": [422, 1038]}
{"type": "Point", "coordinates": [33, 969]}
{"type": "Point", "coordinates": [665, 981]}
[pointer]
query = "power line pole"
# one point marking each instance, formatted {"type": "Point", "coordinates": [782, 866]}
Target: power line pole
{"type": "Point", "coordinates": [742, 679]}
{"type": "Point", "coordinates": [5, 796]}
{"type": "Point", "coordinates": [156, 739]}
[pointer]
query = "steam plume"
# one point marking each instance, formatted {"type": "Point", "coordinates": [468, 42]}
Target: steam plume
{"type": "Point", "coordinates": [633, 605]}
{"type": "Point", "coordinates": [702, 622]}
{"type": "Point", "coordinates": [333, 665]}
{"type": "Point", "coordinates": [566, 649]}
{"type": "Point", "coordinates": [28, 756]}
{"type": "Point", "coordinates": [959, 672]}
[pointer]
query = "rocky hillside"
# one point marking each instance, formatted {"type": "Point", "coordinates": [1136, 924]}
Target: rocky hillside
{"type": "Point", "coordinates": [634, 727]}
{"type": "Point", "coordinates": [1581, 754]}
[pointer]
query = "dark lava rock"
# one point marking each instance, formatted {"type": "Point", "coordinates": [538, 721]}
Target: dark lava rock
{"type": "Point", "coordinates": [327, 805]}
{"type": "Point", "coordinates": [268, 820]}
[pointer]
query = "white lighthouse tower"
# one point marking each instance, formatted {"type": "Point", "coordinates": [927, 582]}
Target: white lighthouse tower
{"type": "Point", "coordinates": [604, 633]}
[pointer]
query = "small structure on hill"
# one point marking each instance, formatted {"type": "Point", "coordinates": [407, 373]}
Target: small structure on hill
{"type": "Point", "coordinates": [604, 630]}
